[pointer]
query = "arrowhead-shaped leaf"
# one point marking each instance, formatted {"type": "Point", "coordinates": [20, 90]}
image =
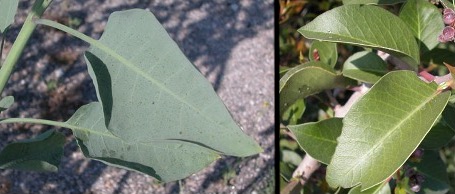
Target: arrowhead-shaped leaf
{"type": "Point", "coordinates": [326, 51]}
{"type": "Point", "coordinates": [425, 21]}
{"type": "Point", "coordinates": [6, 102]}
{"type": "Point", "coordinates": [8, 10]}
{"type": "Point", "coordinates": [318, 139]}
{"type": "Point", "coordinates": [150, 91]}
{"type": "Point", "coordinates": [367, 26]}
{"type": "Point", "coordinates": [383, 128]}
{"type": "Point", "coordinates": [346, 2]}
{"type": "Point", "coordinates": [434, 170]}
{"type": "Point", "coordinates": [365, 66]}
{"type": "Point", "coordinates": [307, 79]}
{"type": "Point", "coordinates": [41, 153]}
{"type": "Point", "coordinates": [165, 159]}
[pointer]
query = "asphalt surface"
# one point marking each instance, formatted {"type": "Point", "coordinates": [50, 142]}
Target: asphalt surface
{"type": "Point", "coordinates": [230, 42]}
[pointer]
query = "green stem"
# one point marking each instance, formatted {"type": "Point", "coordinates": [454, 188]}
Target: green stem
{"type": "Point", "coordinates": [19, 44]}
{"type": "Point", "coordinates": [54, 123]}
{"type": "Point", "coordinates": [37, 121]}
{"type": "Point", "coordinates": [1, 46]}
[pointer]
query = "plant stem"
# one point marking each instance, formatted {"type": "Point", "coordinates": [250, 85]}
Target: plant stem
{"type": "Point", "coordinates": [37, 121]}
{"type": "Point", "coordinates": [54, 123]}
{"type": "Point", "coordinates": [1, 46]}
{"type": "Point", "coordinates": [24, 35]}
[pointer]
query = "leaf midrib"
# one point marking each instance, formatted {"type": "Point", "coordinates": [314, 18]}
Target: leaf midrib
{"type": "Point", "coordinates": [390, 132]}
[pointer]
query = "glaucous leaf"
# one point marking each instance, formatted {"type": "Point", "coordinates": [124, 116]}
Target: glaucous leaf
{"type": "Point", "coordinates": [366, 26]}
{"type": "Point", "coordinates": [365, 66]}
{"type": "Point", "coordinates": [307, 79]}
{"type": "Point", "coordinates": [325, 51]}
{"type": "Point", "coordinates": [318, 139]}
{"type": "Point", "coordinates": [6, 102]}
{"type": "Point", "coordinates": [8, 10]}
{"type": "Point", "coordinates": [390, 120]}
{"type": "Point", "coordinates": [41, 153]}
{"type": "Point", "coordinates": [165, 159]}
{"type": "Point", "coordinates": [387, 2]}
{"type": "Point", "coordinates": [150, 91]}
{"type": "Point", "coordinates": [434, 170]}
{"type": "Point", "coordinates": [425, 22]}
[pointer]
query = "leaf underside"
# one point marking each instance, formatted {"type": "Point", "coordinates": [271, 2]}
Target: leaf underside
{"type": "Point", "coordinates": [390, 120]}
{"type": "Point", "coordinates": [8, 10]}
{"type": "Point", "coordinates": [41, 153]}
{"type": "Point", "coordinates": [153, 100]}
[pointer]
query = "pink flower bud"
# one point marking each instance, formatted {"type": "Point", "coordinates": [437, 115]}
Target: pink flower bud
{"type": "Point", "coordinates": [447, 34]}
{"type": "Point", "coordinates": [449, 16]}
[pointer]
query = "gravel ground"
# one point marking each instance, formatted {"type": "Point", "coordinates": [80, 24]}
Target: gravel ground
{"type": "Point", "coordinates": [231, 43]}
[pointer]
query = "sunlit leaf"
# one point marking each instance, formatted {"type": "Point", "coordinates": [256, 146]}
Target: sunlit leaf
{"type": "Point", "coordinates": [8, 10]}
{"type": "Point", "coordinates": [6, 102]}
{"type": "Point", "coordinates": [325, 52]}
{"type": "Point", "coordinates": [318, 139]}
{"type": "Point", "coordinates": [424, 20]}
{"type": "Point", "coordinates": [367, 26]}
{"type": "Point", "coordinates": [165, 159]}
{"type": "Point", "coordinates": [150, 91]}
{"type": "Point", "coordinates": [383, 128]}
{"type": "Point", "coordinates": [308, 79]}
{"type": "Point", "coordinates": [346, 2]}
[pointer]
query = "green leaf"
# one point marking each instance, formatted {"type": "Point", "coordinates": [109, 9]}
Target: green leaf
{"type": "Point", "coordinates": [365, 66]}
{"type": "Point", "coordinates": [8, 10]}
{"type": "Point", "coordinates": [383, 128]}
{"type": "Point", "coordinates": [150, 91]}
{"type": "Point", "coordinates": [283, 70]}
{"type": "Point", "coordinates": [440, 134]}
{"type": "Point", "coordinates": [444, 129]}
{"type": "Point", "coordinates": [425, 22]}
{"type": "Point", "coordinates": [327, 52]}
{"type": "Point", "coordinates": [294, 113]}
{"type": "Point", "coordinates": [6, 102]}
{"type": "Point", "coordinates": [318, 139]}
{"type": "Point", "coordinates": [382, 188]}
{"type": "Point", "coordinates": [41, 153]}
{"type": "Point", "coordinates": [367, 26]}
{"type": "Point", "coordinates": [346, 2]}
{"type": "Point", "coordinates": [434, 170]}
{"type": "Point", "coordinates": [439, 56]}
{"type": "Point", "coordinates": [308, 79]}
{"type": "Point", "coordinates": [166, 159]}
{"type": "Point", "coordinates": [291, 157]}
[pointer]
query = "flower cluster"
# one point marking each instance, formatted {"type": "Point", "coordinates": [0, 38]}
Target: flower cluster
{"type": "Point", "coordinates": [448, 34]}
{"type": "Point", "coordinates": [415, 178]}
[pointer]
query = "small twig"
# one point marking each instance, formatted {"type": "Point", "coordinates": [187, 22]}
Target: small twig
{"type": "Point", "coordinates": [306, 168]}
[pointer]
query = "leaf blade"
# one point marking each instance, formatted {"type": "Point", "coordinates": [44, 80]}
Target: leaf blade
{"type": "Point", "coordinates": [41, 153]}
{"type": "Point", "coordinates": [318, 139]}
{"type": "Point", "coordinates": [149, 91]}
{"type": "Point", "coordinates": [8, 10]}
{"type": "Point", "coordinates": [363, 143]}
{"type": "Point", "coordinates": [166, 160]}
{"type": "Point", "coordinates": [342, 24]}
{"type": "Point", "coordinates": [365, 66]}
{"type": "Point", "coordinates": [425, 21]}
